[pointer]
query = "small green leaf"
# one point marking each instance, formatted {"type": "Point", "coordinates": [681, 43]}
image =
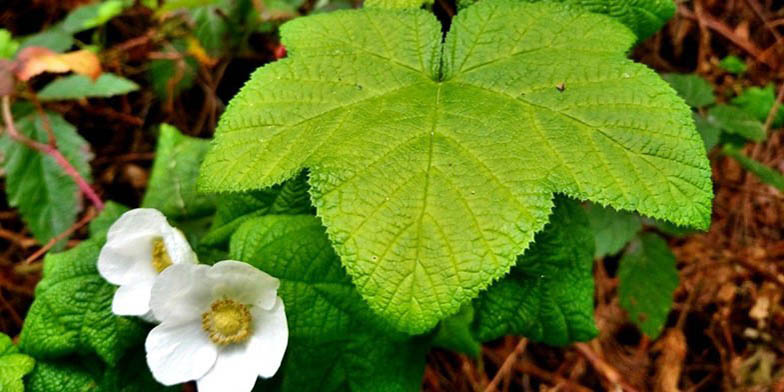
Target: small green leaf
{"type": "Point", "coordinates": [710, 132]}
{"type": "Point", "coordinates": [80, 86]}
{"type": "Point", "coordinates": [335, 341]}
{"type": "Point", "coordinates": [47, 198]}
{"type": "Point", "coordinates": [736, 121]}
{"type": "Point", "coordinates": [647, 280]}
{"type": "Point", "coordinates": [13, 366]}
{"type": "Point", "coordinates": [54, 38]}
{"type": "Point", "coordinates": [172, 186]}
{"type": "Point", "coordinates": [92, 15]}
{"type": "Point", "coordinates": [694, 89]}
{"type": "Point", "coordinates": [289, 198]}
{"type": "Point", "coordinates": [765, 174]}
{"type": "Point", "coordinates": [612, 229]}
{"type": "Point", "coordinates": [456, 333]}
{"type": "Point", "coordinates": [61, 376]}
{"type": "Point", "coordinates": [759, 102]}
{"type": "Point", "coordinates": [8, 45]}
{"type": "Point", "coordinates": [434, 166]}
{"type": "Point", "coordinates": [72, 311]}
{"type": "Point", "coordinates": [733, 64]}
{"type": "Point", "coordinates": [548, 296]}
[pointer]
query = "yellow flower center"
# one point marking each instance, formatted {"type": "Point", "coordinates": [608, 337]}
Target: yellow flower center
{"type": "Point", "coordinates": [227, 322]}
{"type": "Point", "coordinates": [160, 258]}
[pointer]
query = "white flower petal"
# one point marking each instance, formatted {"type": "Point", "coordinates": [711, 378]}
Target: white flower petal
{"type": "Point", "coordinates": [137, 221]}
{"type": "Point", "coordinates": [127, 260]}
{"type": "Point", "coordinates": [181, 293]}
{"type": "Point", "coordinates": [244, 283]}
{"type": "Point", "coordinates": [133, 299]}
{"type": "Point", "coordinates": [269, 340]}
{"type": "Point", "coordinates": [177, 353]}
{"type": "Point", "coordinates": [233, 371]}
{"type": "Point", "coordinates": [177, 246]}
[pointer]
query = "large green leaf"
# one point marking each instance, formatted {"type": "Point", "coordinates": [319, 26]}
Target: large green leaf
{"type": "Point", "coordinates": [72, 311]}
{"type": "Point", "coordinates": [45, 195]}
{"type": "Point", "coordinates": [433, 165]}
{"type": "Point", "coordinates": [79, 86]}
{"type": "Point", "coordinates": [548, 296]}
{"type": "Point", "coordinates": [336, 343]}
{"type": "Point", "coordinates": [647, 279]}
{"type": "Point", "coordinates": [13, 366]}
{"type": "Point", "coordinates": [172, 187]}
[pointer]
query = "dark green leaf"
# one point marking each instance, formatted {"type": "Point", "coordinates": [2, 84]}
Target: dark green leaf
{"type": "Point", "coordinates": [736, 121]}
{"type": "Point", "coordinates": [456, 333]}
{"type": "Point", "coordinates": [54, 38]}
{"type": "Point", "coordinates": [759, 102]}
{"type": "Point", "coordinates": [710, 132]}
{"type": "Point", "coordinates": [79, 86]}
{"type": "Point", "coordinates": [766, 174]}
{"type": "Point", "coordinates": [695, 90]}
{"type": "Point", "coordinates": [612, 229]}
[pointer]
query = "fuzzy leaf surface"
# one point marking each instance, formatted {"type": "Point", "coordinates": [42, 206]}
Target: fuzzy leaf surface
{"type": "Point", "coordinates": [13, 366]}
{"type": "Point", "coordinates": [647, 280]}
{"type": "Point", "coordinates": [335, 340]}
{"type": "Point", "coordinates": [72, 311]}
{"type": "Point", "coordinates": [433, 172]}
{"type": "Point", "coordinates": [548, 296]}
{"type": "Point", "coordinates": [47, 198]}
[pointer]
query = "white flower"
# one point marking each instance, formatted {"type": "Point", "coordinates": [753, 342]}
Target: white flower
{"type": "Point", "coordinates": [139, 245]}
{"type": "Point", "coordinates": [223, 326]}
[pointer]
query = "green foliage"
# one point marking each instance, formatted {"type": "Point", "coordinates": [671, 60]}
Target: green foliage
{"type": "Point", "coordinates": [759, 102]}
{"type": "Point", "coordinates": [289, 198]}
{"type": "Point", "coordinates": [647, 280]}
{"type": "Point", "coordinates": [456, 333]}
{"type": "Point", "coordinates": [643, 17]}
{"type": "Point", "coordinates": [79, 86]}
{"type": "Point", "coordinates": [710, 132]}
{"type": "Point", "coordinates": [395, 4]}
{"type": "Point", "coordinates": [101, 223]}
{"type": "Point", "coordinates": [733, 64]}
{"type": "Point", "coordinates": [766, 174]}
{"type": "Point", "coordinates": [433, 169]}
{"type": "Point", "coordinates": [694, 89]}
{"type": "Point", "coordinates": [335, 340]}
{"type": "Point", "coordinates": [8, 45]}
{"type": "Point", "coordinates": [736, 121]}
{"type": "Point", "coordinates": [612, 229]}
{"type": "Point", "coordinates": [92, 15]}
{"type": "Point", "coordinates": [548, 296]}
{"type": "Point", "coordinates": [13, 366]}
{"type": "Point", "coordinates": [60, 376]}
{"type": "Point", "coordinates": [172, 186]}
{"type": "Point", "coordinates": [72, 311]}
{"type": "Point", "coordinates": [54, 38]}
{"type": "Point", "coordinates": [47, 198]}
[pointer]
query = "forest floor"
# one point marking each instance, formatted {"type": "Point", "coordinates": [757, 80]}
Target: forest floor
{"type": "Point", "coordinates": [726, 330]}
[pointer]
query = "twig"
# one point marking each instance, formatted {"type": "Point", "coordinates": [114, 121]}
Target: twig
{"type": "Point", "coordinates": [76, 226]}
{"type": "Point", "coordinates": [51, 150]}
{"type": "Point", "coordinates": [528, 367]}
{"type": "Point", "coordinates": [774, 110]}
{"type": "Point", "coordinates": [609, 372]}
{"type": "Point", "coordinates": [507, 365]}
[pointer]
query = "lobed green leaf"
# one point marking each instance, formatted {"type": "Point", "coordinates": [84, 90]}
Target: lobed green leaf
{"type": "Point", "coordinates": [13, 366]}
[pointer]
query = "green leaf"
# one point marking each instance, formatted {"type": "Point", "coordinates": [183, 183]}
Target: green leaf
{"type": "Point", "coordinates": [759, 102]}
{"type": "Point", "coordinates": [736, 121]}
{"type": "Point", "coordinates": [432, 174]}
{"type": "Point", "coordinates": [92, 15]}
{"type": "Point", "coordinates": [54, 38]}
{"type": "Point", "coordinates": [79, 86]}
{"type": "Point", "coordinates": [612, 229]}
{"type": "Point", "coordinates": [211, 29]}
{"type": "Point", "coordinates": [643, 17]}
{"type": "Point", "coordinates": [548, 296]}
{"type": "Point", "coordinates": [694, 89]}
{"type": "Point", "coordinates": [8, 45]}
{"type": "Point", "coordinates": [111, 212]}
{"type": "Point", "coordinates": [396, 4]}
{"type": "Point", "coordinates": [765, 174]}
{"type": "Point", "coordinates": [647, 280]}
{"type": "Point", "coordinates": [456, 333]}
{"type": "Point", "coordinates": [72, 311]}
{"type": "Point", "coordinates": [13, 366]}
{"type": "Point", "coordinates": [61, 376]}
{"type": "Point", "coordinates": [709, 131]}
{"type": "Point", "coordinates": [170, 77]}
{"type": "Point", "coordinates": [289, 198]}
{"type": "Point", "coordinates": [335, 341]}
{"type": "Point", "coordinates": [132, 375]}
{"type": "Point", "coordinates": [172, 187]}
{"type": "Point", "coordinates": [48, 199]}
{"type": "Point", "coordinates": [733, 64]}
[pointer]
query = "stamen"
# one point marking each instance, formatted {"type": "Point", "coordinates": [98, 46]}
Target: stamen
{"type": "Point", "coordinates": [160, 258]}
{"type": "Point", "coordinates": [227, 322]}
